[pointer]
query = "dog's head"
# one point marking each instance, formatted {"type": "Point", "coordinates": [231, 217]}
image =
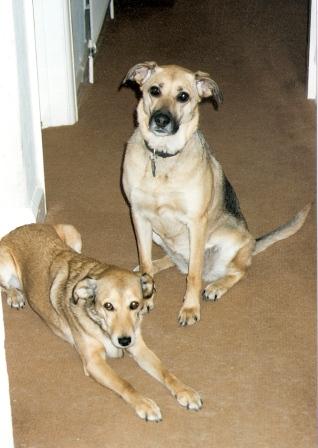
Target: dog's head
{"type": "Point", "coordinates": [168, 110]}
{"type": "Point", "coordinates": [115, 299]}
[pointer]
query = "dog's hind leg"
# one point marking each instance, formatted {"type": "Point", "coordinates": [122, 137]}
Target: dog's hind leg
{"type": "Point", "coordinates": [162, 263]}
{"type": "Point", "coordinates": [235, 271]}
{"type": "Point", "coordinates": [165, 262]}
{"type": "Point", "coordinates": [159, 265]}
{"type": "Point", "coordinates": [9, 280]}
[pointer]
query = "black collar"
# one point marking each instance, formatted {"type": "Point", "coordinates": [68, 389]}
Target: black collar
{"type": "Point", "coordinates": [162, 154]}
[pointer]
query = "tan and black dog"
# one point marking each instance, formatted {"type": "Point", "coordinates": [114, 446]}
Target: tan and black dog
{"type": "Point", "coordinates": [178, 193]}
{"type": "Point", "coordinates": [95, 307]}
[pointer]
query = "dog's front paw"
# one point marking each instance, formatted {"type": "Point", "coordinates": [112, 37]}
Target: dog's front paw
{"type": "Point", "coordinates": [189, 399]}
{"type": "Point", "coordinates": [15, 299]}
{"type": "Point", "coordinates": [148, 410]}
{"type": "Point", "coordinates": [213, 291]}
{"type": "Point", "coordinates": [189, 315]}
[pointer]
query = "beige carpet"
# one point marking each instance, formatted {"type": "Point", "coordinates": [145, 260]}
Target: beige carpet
{"type": "Point", "coordinates": [252, 356]}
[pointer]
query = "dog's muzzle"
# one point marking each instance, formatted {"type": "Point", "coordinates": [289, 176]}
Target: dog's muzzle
{"type": "Point", "coordinates": [163, 123]}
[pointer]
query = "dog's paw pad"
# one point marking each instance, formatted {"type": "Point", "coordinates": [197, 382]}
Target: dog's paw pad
{"type": "Point", "coordinates": [15, 299]}
{"type": "Point", "coordinates": [189, 399]}
{"type": "Point", "coordinates": [148, 410]}
{"type": "Point", "coordinates": [188, 316]}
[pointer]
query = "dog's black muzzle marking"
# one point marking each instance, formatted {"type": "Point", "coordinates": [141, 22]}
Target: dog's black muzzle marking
{"type": "Point", "coordinates": [163, 123]}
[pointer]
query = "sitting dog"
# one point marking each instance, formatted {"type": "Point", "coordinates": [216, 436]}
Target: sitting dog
{"type": "Point", "coordinates": [94, 306]}
{"type": "Point", "coordinates": [179, 195]}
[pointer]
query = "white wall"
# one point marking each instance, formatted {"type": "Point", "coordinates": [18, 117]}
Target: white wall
{"type": "Point", "coordinates": [22, 188]}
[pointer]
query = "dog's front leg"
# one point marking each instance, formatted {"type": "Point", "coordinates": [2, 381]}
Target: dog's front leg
{"type": "Point", "coordinates": [149, 362]}
{"type": "Point", "coordinates": [95, 365]}
{"type": "Point", "coordinates": [143, 231]}
{"type": "Point", "coordinates": [190, 311]}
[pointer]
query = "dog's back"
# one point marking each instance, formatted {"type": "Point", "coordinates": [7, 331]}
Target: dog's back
{"type": "Point", "coordinates": [26, 256]}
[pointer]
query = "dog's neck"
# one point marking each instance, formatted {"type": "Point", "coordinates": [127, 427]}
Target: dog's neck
{"type": "Point", "coordinates": [154, 153]}
{"type": "Point", "coordinates": [159, 152]}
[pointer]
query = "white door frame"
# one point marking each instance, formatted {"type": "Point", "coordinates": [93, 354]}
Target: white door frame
{"type": "Point", "coordinates": [57, 79]}
{"type": "Point", "coordinates": [55, 61]}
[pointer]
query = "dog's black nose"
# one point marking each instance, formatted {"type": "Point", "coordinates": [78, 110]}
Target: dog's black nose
{"type": "Point", "coordinates": [162, 122]}
{"type": "Point", "coordinates": [162, 119]}
{"type": "Point", "coordinates": [124, 341]}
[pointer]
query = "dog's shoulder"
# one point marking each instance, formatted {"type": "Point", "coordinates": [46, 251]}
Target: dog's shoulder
{"type": "Point", "coordinates": [136, 138]}
{"type": "Point", "coordinates": [230, 200]}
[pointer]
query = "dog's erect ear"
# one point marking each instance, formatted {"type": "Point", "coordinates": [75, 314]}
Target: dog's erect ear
{"type": "Point", "coordinates": [207, 87]}
{"type": "Point", "coordinates": [140, 72]}
{"type": "Point", "coordinates": [84, 289]}
{"type": "Point", "coordinates": [147, 286]}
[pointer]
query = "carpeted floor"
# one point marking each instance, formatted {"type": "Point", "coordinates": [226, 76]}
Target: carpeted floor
{"type": "Point", "coordinates": [252, 356]}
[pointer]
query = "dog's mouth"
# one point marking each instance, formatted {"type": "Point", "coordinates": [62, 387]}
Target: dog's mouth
{"type": "Point", "coordinates": [162, 123]}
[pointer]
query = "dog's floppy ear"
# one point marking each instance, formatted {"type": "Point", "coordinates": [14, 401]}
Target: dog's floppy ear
{"type": "Point", "coordinates": [140, 72]}
{"type": "Point", "coordinates": [147, 286]}
{"type": "Point", "coordinates": [84, 289]}
{"type": "Point", "coordinates": [207, 87]}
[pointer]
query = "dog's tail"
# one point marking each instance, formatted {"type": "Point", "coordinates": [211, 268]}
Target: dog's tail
{"type": "Point", "coordinates": [282, 232]}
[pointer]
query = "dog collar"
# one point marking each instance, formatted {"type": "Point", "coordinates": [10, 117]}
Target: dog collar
{"type": "Point", "coordinates": [154, 153]}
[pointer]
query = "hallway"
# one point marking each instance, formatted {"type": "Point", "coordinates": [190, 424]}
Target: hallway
{"type": "Point", "coordinates": [252, 356]}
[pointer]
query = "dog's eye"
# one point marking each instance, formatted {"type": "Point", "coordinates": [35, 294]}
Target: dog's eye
{"type": "Point", "coordinates": [108, 306]}
{"type": "Point", "coordinates": [183, 97]}
{"type": "Point", "coordinates": [154, 91]}
{"type": "Point", "coordinates": [134, 305]}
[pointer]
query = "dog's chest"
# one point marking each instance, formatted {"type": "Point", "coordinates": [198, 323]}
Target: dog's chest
{"type": "Point", "coordinates": [158, 198]}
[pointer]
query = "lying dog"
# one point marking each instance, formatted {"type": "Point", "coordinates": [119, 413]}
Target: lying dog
{"type": "Point", "coordinates": [95, 307]}
{"type": "Point", "coordinates": [178, 193]}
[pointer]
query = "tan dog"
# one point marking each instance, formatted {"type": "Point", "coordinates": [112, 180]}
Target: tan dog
{"type": "Point", "coordinates": [95, 307]}
{"type": "Point", "coordinates": [178, 193]}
